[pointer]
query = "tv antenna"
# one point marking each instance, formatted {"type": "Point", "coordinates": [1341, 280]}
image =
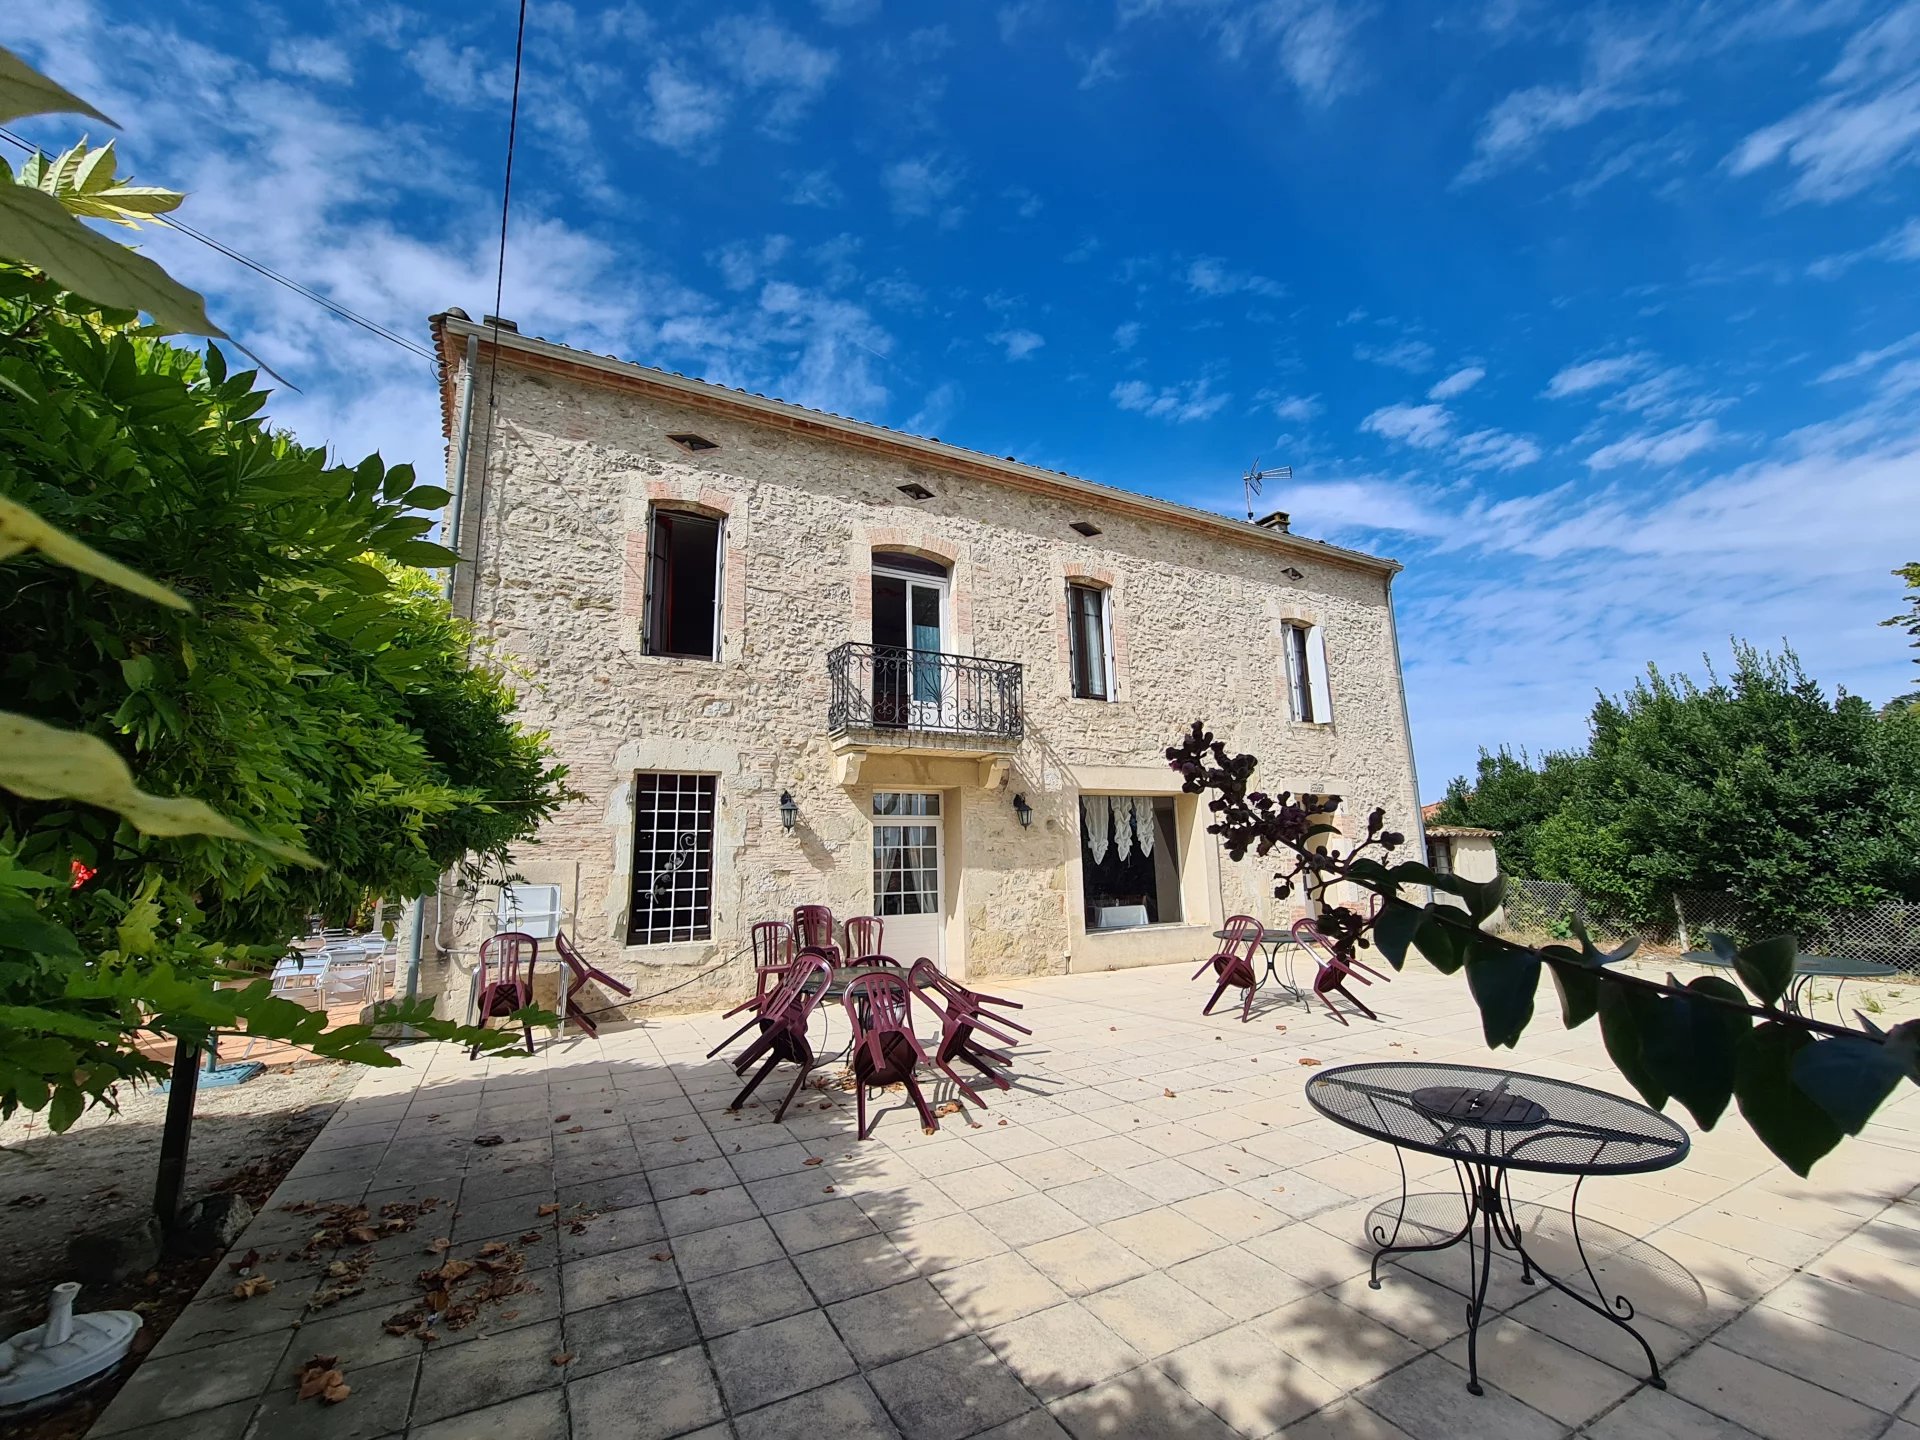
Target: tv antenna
{"type": "Point", "coordinates": [1255, 475]}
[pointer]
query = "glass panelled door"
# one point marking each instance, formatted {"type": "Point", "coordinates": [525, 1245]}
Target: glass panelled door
{"type": "Point", "coordinates": [907, 874]}
{"type": "Point", "coordinates": [909, 625]}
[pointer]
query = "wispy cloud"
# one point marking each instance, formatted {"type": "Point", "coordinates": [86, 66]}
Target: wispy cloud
{"type": "Point", "coordinates": [1410, 355]}
{"type": "Point", "coordinates": [1311, 42]}
{"type": "Point", "coordinates": [1295, 409]}
{"type": "Point", "coordinates": [1585, 375]}
{"type": "Point", "coordinates": [1210, 276]}
{"type": "Point", "coordinates": [1183, 403]}
{"type": "Point", "coordinates": [1869, 360]}
{"type": "Point", "coordinates": [847, 12]}
{"type": "Point", "coordinates": [816, 189]}
{"type": "Point", "coordinates": [1660, 449]}
{"type": "Point", "coordinates": [922, 188]}
{"type": "Point", "coordinates": [1424, 426]}
{"type": "Point", "coordinates": [1458, 383]}
{"type": "Point", "coordinates": [1902, 244]}
{"type": "Point", "coordinates": [682, 112]}
{"type": "Point", "coordinates": [1433, 427]}
{"type": "Point", "coordinates": [1018, 344]}
{"type": "Point", "coordinates": [784, 72]}
{"type": "Point", "coordinates": [1126, 335]}
{"type": "Point", "coordinates": [1101, 66]}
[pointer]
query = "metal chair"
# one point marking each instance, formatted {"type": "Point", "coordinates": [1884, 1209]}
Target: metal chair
{"type": "Point", "coordinates": [884, 1050]}
{"type": "Point", "coordinates": [864, 937]}
{"type": "Point", "coordinates": [508, 990]}
{"type": "Point", "coordinates": [813, 930]}
{"type": "Point", "coordinates": [1233, 963]}
{"type": "Point", "coordinates": [1333, 973]}
{"type": "Point", "coordinates": [581, 973]}
{"type": "Point", "coordinates": [783, 1029]}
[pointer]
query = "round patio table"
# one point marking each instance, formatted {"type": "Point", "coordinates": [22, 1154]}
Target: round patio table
{"type": "Point", "coordinates": [843, 976]}
{"type": "Point", "coordinates": [1272, 940]}
{"type": "Point", "coordinates": [1490, 1123]}
{"type": "Point", "coordinates": [1806, 970]}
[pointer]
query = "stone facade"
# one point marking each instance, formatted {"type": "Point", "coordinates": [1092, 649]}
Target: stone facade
{"type": "Point", "coordinates": [556, 533]}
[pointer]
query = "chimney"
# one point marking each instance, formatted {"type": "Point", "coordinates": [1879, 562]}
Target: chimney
{"type": "Point", "coordinates": [496, 322]}
{"type": "Point", "coordinates": [1278, 520]}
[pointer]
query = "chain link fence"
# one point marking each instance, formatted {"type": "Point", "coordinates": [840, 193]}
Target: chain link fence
{"type": "Point", "coordinates": [1888, 933]}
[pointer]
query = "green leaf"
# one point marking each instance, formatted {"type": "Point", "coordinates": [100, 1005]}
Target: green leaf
{"type": "Point", "coordinates": [1766, 967]}
{"type": "Point", "coordinates": [1483, 897]}
{"type": "Point", "coordinates": [1788, 1121]}
{"type": "Point", "coordinates": [1848, 1078]}
{"type": "Point", "coordinates": [427, 497]}
{"type": "Point", "coordinates": [1691, 1045]}
{"type": "Point", "coordinates": [25, 91]}
{"type": "Point", "coordinates": [68, 1103]}
{"type": "Point", "coordinates": [36, 230]}
{"type": "Point", "coordinates": [1622, 1023]}
{"type": "Point", "coordinates": [43, 762]}
{"type": "Point", "coordinates": [1503, 984]}
{"type": "Point", "coordinates": [1579, 991]}
{"type": "Point", "coordinates": [424, 553]}
{"type": "Point", "coordinates": [1435, 940]}
{"type": "Point", "coordinates": [1395, 928]}
{"type": "Point", "coordinates": [21, 529]}
{"type": "Point", "coordinates": [36, 936]}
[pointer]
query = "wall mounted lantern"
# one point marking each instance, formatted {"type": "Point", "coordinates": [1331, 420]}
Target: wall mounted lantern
{"type": "Point", "coordinates": [789, 812]}
{"type": "Point", "coordinates": [1023, 810]}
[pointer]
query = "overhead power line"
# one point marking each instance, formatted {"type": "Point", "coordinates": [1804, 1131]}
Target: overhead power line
{"type": "Point", "coordinates": [306, 292]}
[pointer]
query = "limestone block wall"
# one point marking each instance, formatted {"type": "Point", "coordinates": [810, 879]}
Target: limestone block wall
{"type": "Point", "coordinates": [556, 536]}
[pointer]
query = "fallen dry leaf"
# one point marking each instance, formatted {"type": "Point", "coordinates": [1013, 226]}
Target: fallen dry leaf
{"type": "Point", "coordinates": [699, 1191]}
{"type": "Point", "coordinates": [827, 1191]}
{"type": "Point", "coordinates": [573, 1130]}
{"type": "Point", "coordinates": [562, 1119]}
{"type": "Point", "coordinates": [532, 1237]}
{"type": "Point", "coordinates": [438, 1245]}
{"type": "Point", "coordinates": [1002, 1122]}
{"type": "Point", "coordinates": [552, 1207]}
{"type": "Point", "coordinates": [564, 1358]}
{"type": "Point", "coordinates": [679, 1139]}
{"type": "Point", "coordinates": [1168, 1094]}
{"type": "Point", "coordinates": [493, 1247]}
{"type": "Point", "coordinates": [1309, 1062]}
{"type": "Point", "coordinates": [951, 1107]}
{"type": "Point", "coordinates": [489, 1139]}
{"type": "Point", "coordinates": [813, 1160]}
{"type": "Point", "coordinates": [321, 1378]}
{"type": "Point", "coordinates": [929, 1129]}
{"type": "Point", "coordinates": [251, 1286]}
{"type": "Point", "coordinates": [30, 1201]}
{"type": "Point", "coordinates": [660, 1255]}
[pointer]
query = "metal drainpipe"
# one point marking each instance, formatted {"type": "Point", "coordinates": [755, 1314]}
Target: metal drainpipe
{"type": "Point", "coordinates": [1406, 728]}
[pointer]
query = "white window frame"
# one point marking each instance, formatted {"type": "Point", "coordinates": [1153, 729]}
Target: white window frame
{"type": "Point", "coordinates": [1109, 679]}
{"type": "Point", "coordinates": [1316, 692]}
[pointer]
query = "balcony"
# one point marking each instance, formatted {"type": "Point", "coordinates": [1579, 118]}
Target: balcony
{"type": "Point", "coordinates": [889, 700]}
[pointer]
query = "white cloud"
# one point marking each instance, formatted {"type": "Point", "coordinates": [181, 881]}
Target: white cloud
{"type": "Point", "coordinates": [742, 264]}
{"type": "Point", "coordinates": [1868, 360]}
{"type": "Point", "coordinates": [920, 188]}
{"type": "Point", "coordinates": [1127, 335]}
{"type": "Point", "coordinates": [1297, 409]}
{"type": "Point", "coordinates": [1310, 42]}
{"type": "Point", "coordinates": [813, 188]}
{"type": "Point", "coordinates": [1588, 375]}
{"type": "Point", "coordinates": [935, 410]}
{"type": "Point", "coordinates": [1019, 344]}
{"type": "Point", "coordinates": [1410, 355]}
{"type": "Point", "coordinates": [1902, 243]}
{"type": "Point", "coordinates": [1495, 450]}
{"type": "Point", "coordinates": [1458, 383]}
{"type": "Point", "coordinates": [682, 112]}
{"type": "Point", "coordinates": [1661, 449]}
{"type": "Point", "coordinates": [1424, 426]}
{"type": "Point", "coordinates": [1213, 277]}
{"type": "Point", "coordinates": [1099, 67]}
{"type": "Point", "coordinates": [764, 56]}
{"type": "Point", "coordinates": [1182, 403]}
{"type": "Point", "coordinates": [847, 12]}
{"type": "Point", "coordinates": [311, 58]}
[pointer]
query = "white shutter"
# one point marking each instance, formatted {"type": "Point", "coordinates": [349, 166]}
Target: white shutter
{"type": "Point", "coordinates": [1112, 687]}
{"type": "Point", "coordinates": [1317, 674]}
{"type": "Point", "coordinates": [719, 583]}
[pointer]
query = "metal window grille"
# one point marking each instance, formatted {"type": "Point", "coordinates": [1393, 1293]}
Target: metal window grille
{"type": "Point", "coordinates": [672, 859]}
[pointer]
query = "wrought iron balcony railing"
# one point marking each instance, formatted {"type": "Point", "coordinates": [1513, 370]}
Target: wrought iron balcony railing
{"type": "Point", "coordinates": [888, 687]}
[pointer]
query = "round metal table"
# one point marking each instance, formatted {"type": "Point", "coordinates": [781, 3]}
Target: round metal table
{"type": "Point", "coordinates": [1490, 1123]}
{"type": "Point", "coordinates": [1806, 970]}
{"type": "Point", "coordinates": [1272, 940]}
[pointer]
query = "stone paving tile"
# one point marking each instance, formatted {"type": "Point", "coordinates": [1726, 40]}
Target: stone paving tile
{"type": "Point", "coordinates": [485, 1372]}
{"type": "Point", "coordinates": [960, 1389]}
{"type": "Point", "coordinates": [197, 1380]}
{"type": "Point", "coordinates": [1649, 1414]}
{"type": "Point", "coordinates": [1775, 1404]}
{"type": "Point", "coordinates": [724, 1248]}
{"type": "Point", "coordinates": [900, 1320]}
{"type": "Point", "coordinates": [652, 1399]}
{"type": "Point", "coordinates": [618, 1275]}
{"type": "Point", "coordinates": [1238, 1282]}
{"type": "Point", "coordinates": [1428, 1399]}
{"type": "Point", "coordinates": [1085, 1261]}
{"type": "Point", "coordinates": [769, 1362]}
{"type": "Point", "coordinates": [1247, 1380]}
{"type": "Point", "coordinates": [1102, 1198]}
{"type": "Point", "coordinates": [381, 1399]}
{"type": "Point", "coordinates": [1058, 1351]}
{"type": "Point", "coordinates": [817, 1226]}
{"type": "Point", "coordinates": [998, 1289]}
{"type": "Point", "coordinates": [941, 1244]}
{"type": "Point", "coordinates": [741, 1298]}
{"type": "Point", "coordinates": [1554, 1379]}
{"type": "Point", "coordinates": [1156, 1313]}
{"type": "Point", "coordinates": [628, 1330]}
{"type": "Point", "coordinates": [845, 1410]}
{"type": "Point", "coordinates": [839, 1272]}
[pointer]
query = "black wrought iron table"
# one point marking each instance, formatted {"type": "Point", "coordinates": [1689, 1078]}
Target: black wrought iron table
{"type": "Point", "coordinates": [1806, 970]}
{"type": "Point", "coordinates": [1490, 1123]}
{"type": "Point", "coordinates": [1271, 941]}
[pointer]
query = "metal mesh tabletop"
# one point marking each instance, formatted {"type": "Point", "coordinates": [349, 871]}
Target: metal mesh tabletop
{"type": "Point", "coordinates": [1499, 1117]}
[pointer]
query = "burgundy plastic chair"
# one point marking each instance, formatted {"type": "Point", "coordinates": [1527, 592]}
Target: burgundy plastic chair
{"type": "Point", "coordinates": [1233, 963]}
{"type": "Point", "coordinates": [773, 957]}
{"type": "Point", "coordinates": [773, 943]}
{"type": "Point", "coordinates": [813, 929]}
{"type": "Point", "coordinates": [582, 974]}
{"type": "Point", "coordinates": [884, 1049]}
{"type": "Point", "coordinates": [1333, 972]}
{"type": "Point", "coordinates": [863, 937]}
{"type": "Point", "coordinates": [508, 990]}
{"type": "Point", "coordinates": [962, 1014]}
{"type": "Point", "coordinates": [783, 1029]}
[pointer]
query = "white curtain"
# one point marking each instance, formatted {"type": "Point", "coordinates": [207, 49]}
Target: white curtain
{"type": "Point", "coordinates": [1143, 822]}
{"type": "Point", "coordinates": [1121, 807]}
{"type": "Point", "coordinates": [1093, 825]}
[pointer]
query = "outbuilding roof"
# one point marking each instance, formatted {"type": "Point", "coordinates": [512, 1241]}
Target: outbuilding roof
{"type": "Point", "coordinates": [1473, 832]}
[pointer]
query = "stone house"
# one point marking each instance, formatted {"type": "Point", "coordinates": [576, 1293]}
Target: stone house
{"type": "Point", "coordinates": [790, 657]}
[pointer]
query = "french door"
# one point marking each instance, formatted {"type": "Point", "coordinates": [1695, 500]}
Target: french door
{"type": "Point", "coordinates": [909, 634]}
{"type": "Point", "coordinates": [908, 875]}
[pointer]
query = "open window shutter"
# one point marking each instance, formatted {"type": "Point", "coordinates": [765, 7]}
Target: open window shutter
{"type": "Point", "coordinates": [1317, 674]}
{"type": "Point", "coordinates": [654, 611]}
{"type": "Point", "coordinates": [1110, 688]}
{"type": "Point", "coordinates": [719, 583]}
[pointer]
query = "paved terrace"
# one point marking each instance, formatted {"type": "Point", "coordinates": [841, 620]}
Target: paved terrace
{"type": "Point", "coordinates": [1153, 1236]}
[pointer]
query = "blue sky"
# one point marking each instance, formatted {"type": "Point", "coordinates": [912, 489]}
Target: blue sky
{"type": "Point", "coordinates": [1606, 323]}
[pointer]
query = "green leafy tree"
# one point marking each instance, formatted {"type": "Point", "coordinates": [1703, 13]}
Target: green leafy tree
{"type": "Point", "coordinates": [1909, 621]}
{"type": "Point", "coordinates": [235, 703]}
{"type": "Point", "coordinates": [1513, 796]}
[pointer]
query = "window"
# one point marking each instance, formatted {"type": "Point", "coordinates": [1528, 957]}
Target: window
{"type": "Point", "coordinates": [1089, 617]}
{"type": "Point", "coordinates": [1308, 695]}
{"type": "Point", "coordinates": [672, 859]}
{"type": "Point", "coordinates": [906, 853]}
{"type": "Point", "coordinates": [1440, 854]}
{"type": "Point", "coordinates": [683, 585]}
{"type": "Point", "coordinates": [1129, 861]}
